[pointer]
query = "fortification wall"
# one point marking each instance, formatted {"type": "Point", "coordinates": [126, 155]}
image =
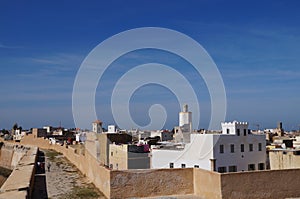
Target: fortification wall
{"type": "Point", "coordinates": [146, 182]}
{"type": "Point", "coordinates": [86, 163]}
{"type": "Point", "coordinates": [261, 184]}
{"type": "Point", "coordinates": [11, 154]}
{"type": "Point", "coordinates": [207, 184]}
{"type": "Point", "coordinates": [6, 154]}
{"type": "Point", "coordinates": [20, 182]}
{"type": "Point", "coordinates": [163, 182]}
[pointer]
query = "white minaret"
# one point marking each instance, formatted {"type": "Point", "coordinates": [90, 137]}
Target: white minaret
{"type": "Point", "coordinates": [185, 119]}
{"type": "Point", "coordinates": [97, 126]}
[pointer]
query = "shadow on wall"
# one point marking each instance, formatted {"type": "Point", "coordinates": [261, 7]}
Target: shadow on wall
{"type": "Point", "coordinates": [40, 186]}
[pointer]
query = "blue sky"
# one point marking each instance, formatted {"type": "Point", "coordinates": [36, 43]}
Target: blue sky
{"type": "Point", "coordinates": [255, 45]}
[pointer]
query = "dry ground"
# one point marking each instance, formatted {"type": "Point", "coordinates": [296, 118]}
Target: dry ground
{"type": "Point", "coordinates": [63, 180]}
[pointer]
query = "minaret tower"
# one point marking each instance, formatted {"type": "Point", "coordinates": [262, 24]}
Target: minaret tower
{"type": "Point", "coordinates": [185, 119]}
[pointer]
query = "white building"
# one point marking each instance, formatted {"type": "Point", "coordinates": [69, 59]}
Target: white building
{"type": "Point", "coordinates": [236, 149]}
{"type": "Point", "coordinates": [97, 126]}
{"type": "Point", "coordinates": [80, 137]}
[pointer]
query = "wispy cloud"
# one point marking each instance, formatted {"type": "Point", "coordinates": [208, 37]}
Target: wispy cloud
{"type": "Point", "coordinates": [9, 46]}
{"type": "Point", "coordinates": [61, 64]}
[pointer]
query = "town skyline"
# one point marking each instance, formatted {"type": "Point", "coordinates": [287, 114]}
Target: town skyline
{"type": "Point", "coordinates": [254, 45]}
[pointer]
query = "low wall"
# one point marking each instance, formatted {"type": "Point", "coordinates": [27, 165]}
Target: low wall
{"type": "Point", "coordinates": [207, 184]}
{"type": "Point", "coordinates": [261, 184]}
{"type": "Point", "coordinates": [151, 182]}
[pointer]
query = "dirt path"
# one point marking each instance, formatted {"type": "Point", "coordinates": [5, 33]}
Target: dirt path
{"type": "Point", "coordinates": [63, 180]}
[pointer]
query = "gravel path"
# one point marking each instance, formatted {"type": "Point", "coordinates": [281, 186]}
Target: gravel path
{"type": "Point", "coordinates": [63, 180]}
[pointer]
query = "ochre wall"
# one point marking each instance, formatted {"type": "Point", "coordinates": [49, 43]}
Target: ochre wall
{"type": "Point", "coordinates": [261, 184]}
{"type": "Point", "coordinates": [207, 184]}
{"type": "Point", "coordinates": [154, 182]}
{"type": "Point", "coordinates": [22, 176]}
{"type": "Point", "coordinates": [6, 156]}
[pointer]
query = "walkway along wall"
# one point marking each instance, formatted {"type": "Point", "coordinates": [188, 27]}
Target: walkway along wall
{"type": "Point", "coordinates": [162, 182]}
{"type": "Point", "coordinates": [123, 184]}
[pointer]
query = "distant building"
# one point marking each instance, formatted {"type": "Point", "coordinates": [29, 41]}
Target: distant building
{"type": "Point", "coordinates": [142, 135]}
{"type": "Point", "coordinates": [129, 156]}
{"type": "Point", "coordinates": [38, 132]}
{"type": "Point", "coordinates": [112, 129]}
{"type": "Point", "coordinates": [105, 139]}
{"type": "Point", "coordinates": [18, 134]}
{"type": "Point", "coordinates": [284, 158]}
{"type": "Point", "coordinates": [97, 126]}
{"type": "Point", "coordinates": [48, 128]}
{"type": "Point", "coordinates": [235, 149]}
{"type": "Point", "coordinates": [80, 136]}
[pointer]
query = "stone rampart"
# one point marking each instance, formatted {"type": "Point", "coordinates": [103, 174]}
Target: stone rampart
{"type": "Point", "coordinates": [191, 181]}
{"type": "Point", "coordinates": [261, 184]}
{"type": "Point", "coordinates": [22, 159]}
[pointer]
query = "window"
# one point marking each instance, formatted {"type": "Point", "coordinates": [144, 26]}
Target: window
{"type": "Point", "coordinates": [250, 147]}
{"type": "Point", "coordinates": [182, 165]}
{"type": "Point", "coordinates": [245, 132]}
{"type": "Point", "coordinates": [238, 132]}
{"type": "Point", "coordinates": [222, 169]}
{"type": "Point", "coordinates": [196, 166]}
{"type": "Point", "coordinates": [171, 165]}
{"type": "Point", "coordinates": [221, 148]}
{"type": "Point", "coordinates": [227, 131]}
{"type": "Point", "coordinates": [232, 168]}
{"type": "Point", "coordinates": [232, 148]}
{"type": "Point", "coordinates": [251, 167]}
{"type": "Point", "coordinates": [259, 147]}
{"type": "Point", "coordinates": [111, 153]}
{"type": "Point", "coordinates": [242, 148]}
{"type": "Point", "coordinates": [261, 166]}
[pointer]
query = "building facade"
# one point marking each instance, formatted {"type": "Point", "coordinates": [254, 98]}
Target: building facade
{"type": "Point", "coordinates": [128, 156]}
{"type": "Point", "coordinates": [235, 149]}
{"type": "Point", "coordinates": [97, 126]}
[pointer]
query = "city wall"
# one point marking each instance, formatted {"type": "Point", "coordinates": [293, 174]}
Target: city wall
{"type": "Point", "coordinates": [123, 184]}
{"type": "Point", "coordinates": [207, 184]}
{"type": "Point", "coordinates": [148, 182]}
{"type": "Point", "coordinates": [21, 159]}
{"type": "Point", "coordinates": [191, 181]}
{"type": "Point", "coordinates": [261, 184]}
